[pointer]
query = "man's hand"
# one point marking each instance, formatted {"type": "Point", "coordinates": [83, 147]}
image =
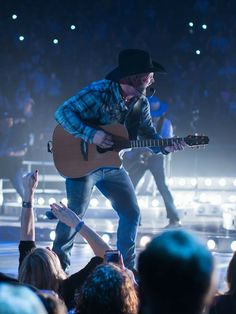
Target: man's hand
{"type": "Point", "coordinates": [103, 139]}
{"type": "Point", "coordinates": [30, 183]}
{"type": "Point", "coordinates": [176, 146]}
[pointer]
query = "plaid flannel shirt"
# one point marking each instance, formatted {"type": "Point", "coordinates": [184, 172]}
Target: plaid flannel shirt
{"type": "Point", "coordinates": [100, 103]}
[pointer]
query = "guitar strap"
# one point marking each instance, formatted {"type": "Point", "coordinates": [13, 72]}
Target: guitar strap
{"type": "Point", "coordinates": [133, 119]}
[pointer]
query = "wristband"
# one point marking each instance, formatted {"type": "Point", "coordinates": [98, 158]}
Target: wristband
{"type": "Point", "coordinates": [79, 226]}
{"type": "Point", "coordinates": [26, 204]}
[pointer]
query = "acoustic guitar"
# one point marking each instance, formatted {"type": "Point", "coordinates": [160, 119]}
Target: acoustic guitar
{"type": "Point", "coordinates": [75, 158]}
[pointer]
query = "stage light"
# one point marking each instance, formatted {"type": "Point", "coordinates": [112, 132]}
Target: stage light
{"type": "Point", "coordinates": [51, 200]}
{"type": "Point", "coordinates": [72, 27]}
{"type": "Point", "coordinates": [208, 182]}
{"type": "Point", "coordinates": [211, 244]}
{"type": "Point", "coordinates": [142, 203]}
{"type": "Point", "coordinates": [19, 200]}
{"type": "Point", "coordinates": [232, 198]}
{"type": "Point", "coordinates": [171, 181]}
{"type": "Point", "coordinates": [190, 24]}
{"type": "Point", "coordinates": [94, 202]}
{"type": "Point", "coordinates": [1, 199]}
{"type": "Point", "coordinates": [234, 182]}
{"type": "Point", "coordinates": [108, 204]}
{"type": "Point", "coordinates": [155, 203]}
{"type": "Point", "coordinates": [182, 181]}
{"type": "Point", "coordinates": [106, 238]}
{"type": "Point", "coordinates": [203, 197]}
{"type": "Point", "coordinates": [41, 201]}
{"type": "Point", "coordinates": [14, 16]}
{"type": "Point", "coordinates": [52, 235]}
{"type": "Point", "coordinates": [198, 52]}
{"type": "Point", "coordinates": [144, 241]}
{"type": "Point", "coordinates": [193, 182]}
{"type": "Point", "coordinates": [21, 38]}
{"type": "Point", "coordinates": [233, 246]}
{"type": "Point", "coordinates": [64, 201]}
{"type": "Point", "coordinates": [222, 182]}
{"type": "Point", "coordinates": [55, 41]}
{"type": "Point", "coordinates": [204, 26]}
{"type": "Point", "coordinates": [215, 199]}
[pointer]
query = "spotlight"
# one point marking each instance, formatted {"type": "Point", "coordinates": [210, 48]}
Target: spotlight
{"type": "Point", "coordinates": [144, 241]}
{"type": "Point", "coordinates": [182, 181]}
{"type": "Point", "coordinates": [106, 238]}
{"type": "Point", "coordinates": [55, 41]}
{"type": "Point", "coordinates": [155, 203]}
{"type": "Point", "coordinates": [198, 52]}
{"type": "Point", "coordinates": [222, 182]}
{"type": "Point", "coordinates": [193, 182]}
{"type": "Point", "coordinates": [1, 199]}
{"type": "Point", "coordinates": [72, 27]}
{"type": "Point", "coordinates": [94, 202]}
{"type": "Point", "coordinates": [190, 24]}
{"type": "Point", "coordinates": [171, 181]}
{"type": "Point", "coordinates": [52, 235]}
{"type": "Point", "coordinates": [19, 200]}
{"type": "Point", "coordinates": [232, 198]}
{"type": "Point", "coordinates": [108, 204]}
{"type": "Point", "coordinates": [51, 200]}
{"type": "Point", "coordinates": [203, 198]}
{"type": "Point", "coordinates": [208, 182]}
{"type": "Point", "coordinates": [64, 201]}
{"type": "Point", "coordinates": [14, 16]}
{"type": "Point", "coordinates": [233, 246]}
{"type": "Point", "coordinates": [211, 244]}
{"type": "Point", "coordinates": [234, 182]}
{"type": "Point", "coordinates": [41, 201]}
{"type": "Point", "coordinates": [21, 38]}
{"type": "Point", "coordinates": [204, 26]}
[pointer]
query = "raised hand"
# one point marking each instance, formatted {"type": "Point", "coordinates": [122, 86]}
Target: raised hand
{"type": "Point", "coordinates": [65, 214]}
{"type": "Point", "coordinates": [30, 183]}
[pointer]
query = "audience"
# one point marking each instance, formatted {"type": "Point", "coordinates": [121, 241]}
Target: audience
{"type": "Point", "coordinates": [41, 267]}
{"type": "Point", "coordinates": [109, 289]}
{"type": "Point", "coordinates": [176, 275]}
{"type": "Point", "coordinates": [226, 303]}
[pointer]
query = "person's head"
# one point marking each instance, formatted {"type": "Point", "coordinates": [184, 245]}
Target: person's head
{"type": "Point", "coordinates": [135, 71]}
{"type": "Point", "coordinates": [52, 303]}
{"type": "Point", "coordinates": [42, 269]}
{"type": "Point", "coordinates": [19, 300]}
{"type": "Point", "coordinates": [175, 274]}
{"type": "Point", "coordinates": [231, 275]}
{"type": "Point", "coordinates": [107, 290]}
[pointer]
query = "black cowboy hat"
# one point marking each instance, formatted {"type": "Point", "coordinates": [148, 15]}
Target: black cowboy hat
{"type": "Point", "coordinates": [134, 61]}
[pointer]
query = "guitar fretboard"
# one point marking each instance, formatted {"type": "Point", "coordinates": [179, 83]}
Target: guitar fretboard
{"type": "Point", "coordinates": [155, 142]}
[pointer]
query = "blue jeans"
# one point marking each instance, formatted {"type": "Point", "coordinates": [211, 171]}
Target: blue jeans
{"type": "Point", "coordinates": [116, 185]}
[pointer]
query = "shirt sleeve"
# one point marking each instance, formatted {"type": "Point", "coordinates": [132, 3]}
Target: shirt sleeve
{"type": "Point", "coordinates": [74, 112]}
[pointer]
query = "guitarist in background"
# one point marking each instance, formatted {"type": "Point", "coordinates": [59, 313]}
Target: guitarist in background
{"type": "Point", "coordinates": [120, 98]}
{"type": "Point", "coordinates": [137, 161]}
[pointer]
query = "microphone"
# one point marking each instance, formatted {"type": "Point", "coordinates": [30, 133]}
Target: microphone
{"type": "Point", "coordinates": [143, 93]}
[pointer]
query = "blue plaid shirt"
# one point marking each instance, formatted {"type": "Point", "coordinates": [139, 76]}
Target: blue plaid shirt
{"type": "Point", "coordinates": [101, 103]}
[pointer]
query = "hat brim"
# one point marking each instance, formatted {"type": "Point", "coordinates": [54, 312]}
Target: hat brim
{"type": "Point", "coordinates": [117, 73]}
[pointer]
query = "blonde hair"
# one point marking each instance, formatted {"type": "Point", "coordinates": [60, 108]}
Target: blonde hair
{"type": "Point", "coordinates": [42, 269]}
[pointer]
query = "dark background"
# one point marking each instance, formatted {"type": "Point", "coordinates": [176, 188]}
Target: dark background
{"type": "Point", "coordinates": [200, 90]}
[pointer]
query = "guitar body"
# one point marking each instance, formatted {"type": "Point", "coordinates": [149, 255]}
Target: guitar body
{"type": "Point", "coordinates": [72, 162]}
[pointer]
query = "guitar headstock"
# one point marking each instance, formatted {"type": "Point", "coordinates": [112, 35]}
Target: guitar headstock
{"type": "Point", "coordinates": [196, 140]}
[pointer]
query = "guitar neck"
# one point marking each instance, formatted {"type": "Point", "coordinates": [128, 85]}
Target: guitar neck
{"type": "Point", "coordinates": [155, 142]}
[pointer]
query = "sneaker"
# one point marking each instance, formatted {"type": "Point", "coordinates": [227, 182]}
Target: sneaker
{"type": "Point", "coordinates": [173, 224]}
